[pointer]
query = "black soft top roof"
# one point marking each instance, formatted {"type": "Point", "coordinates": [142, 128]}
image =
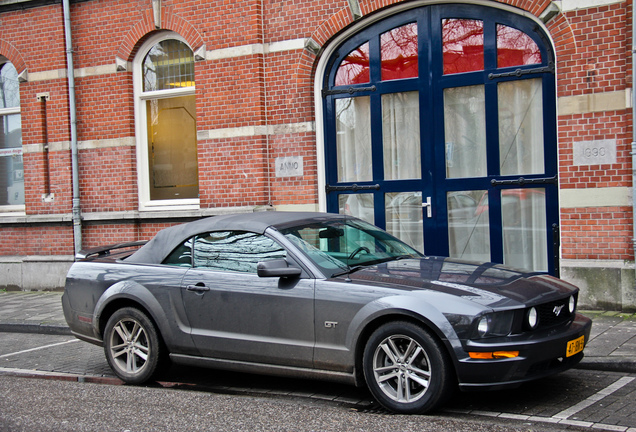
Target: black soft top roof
{"type": "Point", "coordinates": [166, 240]}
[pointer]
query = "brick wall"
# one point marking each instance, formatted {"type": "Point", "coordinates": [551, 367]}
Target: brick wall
{"type": "Point", "coordinates": [255, 90]}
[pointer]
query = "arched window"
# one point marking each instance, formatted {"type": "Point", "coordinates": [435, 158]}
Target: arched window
{"type": "Point", "coordinates": [11, 165]}
{"type": "Point", "coordinates": [166, 123]}
{"type": "Point", "coordinates": [440, 127]}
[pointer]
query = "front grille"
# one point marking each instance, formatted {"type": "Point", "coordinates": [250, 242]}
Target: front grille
{"type": "Point", "coordinates": [554, 313]}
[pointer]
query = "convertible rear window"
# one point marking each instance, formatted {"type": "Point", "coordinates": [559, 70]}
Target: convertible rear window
{"type": "Point", "coordinates": [226, 251]}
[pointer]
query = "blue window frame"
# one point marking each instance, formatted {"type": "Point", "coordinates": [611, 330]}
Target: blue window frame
{"type": "Point", "coordinates": [440, 126]}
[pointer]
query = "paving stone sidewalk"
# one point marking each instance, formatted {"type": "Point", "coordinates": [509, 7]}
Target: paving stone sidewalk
{"type": "Point", "coordinates": [612, 344]}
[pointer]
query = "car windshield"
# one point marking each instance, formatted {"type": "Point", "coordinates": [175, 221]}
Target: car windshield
{"type": "Point", "coordinates": [343, 245]}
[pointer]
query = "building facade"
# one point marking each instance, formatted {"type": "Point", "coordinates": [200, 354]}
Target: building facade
{"type": "Point", "coordinates": [480, 129]}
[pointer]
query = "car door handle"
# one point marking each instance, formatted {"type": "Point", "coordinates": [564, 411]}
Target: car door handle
{"type": "Point", "coordinates": [200, 287]}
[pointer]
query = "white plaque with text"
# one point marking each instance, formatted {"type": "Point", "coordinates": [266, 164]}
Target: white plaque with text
{"type": "Point", "coordinates": [597, 152]}
{"type": "Point", "coordinates": [291, 166]}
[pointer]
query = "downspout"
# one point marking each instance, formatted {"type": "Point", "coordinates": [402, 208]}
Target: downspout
{"type": "Point", "coordinates": [633, 133]}
{"type": "Point", "coordinates": [266, 108]}
{"type": "Point", "coordinates": [76, 215]}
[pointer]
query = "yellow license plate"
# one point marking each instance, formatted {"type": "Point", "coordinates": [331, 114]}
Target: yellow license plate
{"type": "Point", "coordinates": [575, 346]}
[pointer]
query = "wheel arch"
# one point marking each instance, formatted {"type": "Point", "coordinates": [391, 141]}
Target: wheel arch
{"type": "Point", "coordinates": [399, 315]}
{"type": "Point", "coordinates": [119, 303]}
{"type": "Point", "coordinates": [129, 294]}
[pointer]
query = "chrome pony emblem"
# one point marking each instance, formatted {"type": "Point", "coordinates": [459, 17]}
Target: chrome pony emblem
{"type": "Point", "coordinates": [557, 310]}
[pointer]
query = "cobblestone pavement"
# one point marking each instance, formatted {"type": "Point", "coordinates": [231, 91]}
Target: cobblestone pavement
{"type": "Point", "coordinates": [599, 395]}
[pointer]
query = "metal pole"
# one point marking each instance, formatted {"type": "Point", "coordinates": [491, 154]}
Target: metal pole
{"type": "Point", "coordinates": [633, 133]}
{"type": "Point", "coordinates": [77, 215]}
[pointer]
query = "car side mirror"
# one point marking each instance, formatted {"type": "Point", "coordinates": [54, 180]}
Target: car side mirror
{"type": "Point", "coordinates": [277, 268]}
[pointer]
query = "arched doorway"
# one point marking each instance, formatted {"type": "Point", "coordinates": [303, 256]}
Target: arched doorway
{"type": "Point", "coordinates": [440, 126]}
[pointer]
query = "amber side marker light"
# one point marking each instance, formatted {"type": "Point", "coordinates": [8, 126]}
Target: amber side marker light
{"type": "Point", "coordinates": [493, 355]}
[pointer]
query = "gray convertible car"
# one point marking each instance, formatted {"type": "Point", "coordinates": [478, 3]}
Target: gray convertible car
{"type": "Point", "coordinates": [325, 296]}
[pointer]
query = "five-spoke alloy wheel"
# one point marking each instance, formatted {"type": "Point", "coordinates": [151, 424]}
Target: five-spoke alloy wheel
{"type": "Point", "coordinates": [132, 345]}
{"type": "Point", "coordinates": [406, 368]}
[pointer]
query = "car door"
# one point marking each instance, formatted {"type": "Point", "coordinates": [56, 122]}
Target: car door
{"type": "Point", "coordinates": [235, 314]}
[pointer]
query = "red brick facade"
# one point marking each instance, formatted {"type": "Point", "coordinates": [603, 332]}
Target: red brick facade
{"type": "Point", "coordinates": [268, 92]}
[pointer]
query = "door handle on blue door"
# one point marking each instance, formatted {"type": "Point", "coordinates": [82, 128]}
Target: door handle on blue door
{"type": "Point", "coordinates": [427, 206]}
{"type": "Point", "coordinates": [200, 287]}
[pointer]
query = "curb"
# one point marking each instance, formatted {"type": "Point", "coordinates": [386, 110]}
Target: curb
{"type": "Point", "coordinates": [60, 376]}
{"type": "Point", "coordinates": [621, 364]}
{"type": "Point", "coordinates": [48, 329]}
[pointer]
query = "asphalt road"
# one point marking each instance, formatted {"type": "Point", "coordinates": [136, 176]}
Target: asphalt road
{"type": "Point", "coordinates": [199, 399]}
{"type": "Point", "coordinates": [46, 405]}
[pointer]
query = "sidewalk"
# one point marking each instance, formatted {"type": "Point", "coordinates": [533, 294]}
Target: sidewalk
{"type": "Point", "coordinates": [612, 344]}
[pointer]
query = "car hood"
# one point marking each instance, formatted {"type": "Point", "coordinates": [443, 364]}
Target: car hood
{"type": "Point", "coordinates": [488, 284]}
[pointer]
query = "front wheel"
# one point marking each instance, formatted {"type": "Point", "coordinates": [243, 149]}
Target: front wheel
{"type": "Point", "coordinates": [406, 369]}
{"type": "Point", "coordinates": [132, 345]}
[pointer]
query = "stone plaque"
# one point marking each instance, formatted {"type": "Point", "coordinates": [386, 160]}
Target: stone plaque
{"type": "Point", "coordinates": [291, 166]}
{"type": "Point", "coordinates": [598, 152]}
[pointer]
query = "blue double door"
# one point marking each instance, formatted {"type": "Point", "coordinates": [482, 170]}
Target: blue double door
{"type": "Point", "coordinates": [440, 127]}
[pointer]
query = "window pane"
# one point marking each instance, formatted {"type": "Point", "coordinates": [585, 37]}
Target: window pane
{"type": "Point", "coordinates": [9, 86]}
{"type": "Point", "coordinates": [463, 45]}
{"type": "Point", "coordinates": [181, 256]}
{"type": "Point", "coordinates": [11, 163]}
{"type": "Point", "coordinates": [399, 52]}
{"type": "Point", "coordinates": [468, 225]}
{"type": "Point", "coordinates": [465, 131]}
{"type": "Point", "coordinates": [235, 251]}
{"type": "Point", "coordinates": [404, 217]}
{"type": "Point", "coordinates": [524, 228]}
{"type": "Point", "coordinates": [521, 127]}
{"type": "Point", "coordinates": [354, 69]}
{"type": "Point", "coordinates": [515, 48]}
{"type": "Point", "coordinates": [172, 148]}
{"type": "Point", "coordinates": [401, 136]}
{"type": "Point", "coordinates": [168, 65]}
{"type": "Point", "coordinates": [353, 139]}
{"type": "Point", "coordinates": [358, 205]}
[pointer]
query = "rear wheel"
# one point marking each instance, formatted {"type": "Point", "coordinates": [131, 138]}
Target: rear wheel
{"type": "Point", "coordinates": [132, 345]}
{"type": "Point", "coordinates": [406, 369]}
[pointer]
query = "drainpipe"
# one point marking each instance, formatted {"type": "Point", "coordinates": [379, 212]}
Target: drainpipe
{"type": "Point", "coordinates": [77, 215]}
{"type": "Point", "coordinates": [633, 131]}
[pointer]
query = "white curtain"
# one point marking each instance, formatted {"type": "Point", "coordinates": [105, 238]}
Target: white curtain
{"type": "Point", "coordinates": [524, 228]}
{"type": "Point", "coordinates": [353, 139]}
{"type": "Point", "coordinates": [402, 161]}
{"type": "Point", "coordinates": [468, 225]}
{"type": "Point", "coordinates": [404, 217]}
{"type": "Point", "coordinates": [521, 127]}
{"type": "Point", "coordinates": [465, 131]}
{"type": "Point", "coordinates": [521, 153]}
{"type": "Point", "coordinates": [401, 136]}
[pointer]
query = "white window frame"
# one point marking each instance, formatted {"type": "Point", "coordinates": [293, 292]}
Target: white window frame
{"type": "Point", "coordinates": [141, 130]}
{"type": "Point", "coordinates": [21, 208]}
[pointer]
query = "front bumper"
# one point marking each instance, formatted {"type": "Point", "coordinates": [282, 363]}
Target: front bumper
{"type": "Point", "coordinates": [540, 354]}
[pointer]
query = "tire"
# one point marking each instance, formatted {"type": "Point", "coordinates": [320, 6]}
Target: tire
{"type": "Point", "coordinates": [132, 346]}
{"type": "Point", "coordinates": [406, 369]}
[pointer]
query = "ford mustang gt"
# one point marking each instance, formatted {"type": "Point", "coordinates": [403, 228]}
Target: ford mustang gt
{"type": "Point", "coordinates": [324, 296]}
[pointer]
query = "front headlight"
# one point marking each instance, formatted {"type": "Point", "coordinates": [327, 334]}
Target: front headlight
{"type": "Point", "coordinates": [483, 326]}
{"type": "Point", "coordinates": [572, 304]}
{"type": "Point", "coordinates": [532, 318]}
{"type": "Point", "coordinates": [494, 324]}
